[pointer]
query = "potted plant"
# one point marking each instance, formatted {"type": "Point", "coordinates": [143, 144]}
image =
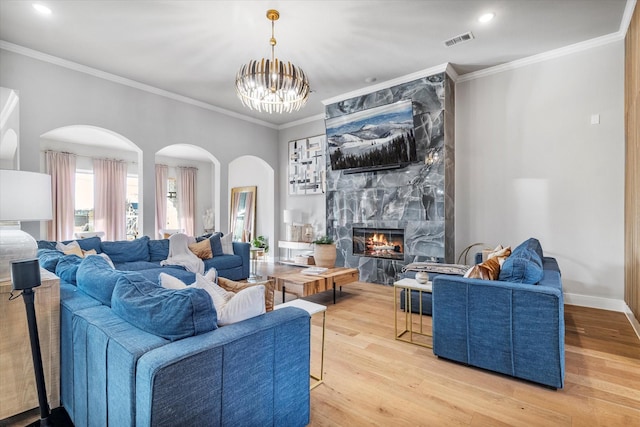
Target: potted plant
{"type": "Point", "coordinates": [261, 242]}
{"type": "Point", "coordinates": [324, 253]}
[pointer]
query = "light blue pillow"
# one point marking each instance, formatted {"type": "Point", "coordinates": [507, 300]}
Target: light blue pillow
{"type": "Point", "coordinates": [158, 250]}
{"type": "Point", "coordinates": [167, 313]}
{"type": "Point", "coordinates": [127, 250]}
{"type": "Point", "coordinates": [525, 266]}
{"type": "Point", "coordinates": [97, 278]}
{"type": "Point", "coordinates": [67, 268]}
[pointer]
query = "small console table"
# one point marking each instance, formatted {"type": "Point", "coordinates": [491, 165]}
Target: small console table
{"type": "Point", "coordinates": [406, 332]}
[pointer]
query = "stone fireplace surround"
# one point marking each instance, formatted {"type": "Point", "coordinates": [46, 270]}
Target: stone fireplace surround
{"type": "Point", "coordinates": [417, 199]}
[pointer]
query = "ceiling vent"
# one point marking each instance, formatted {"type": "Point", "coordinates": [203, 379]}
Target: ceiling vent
{"type": "Point", "coordinates": [459, 39]}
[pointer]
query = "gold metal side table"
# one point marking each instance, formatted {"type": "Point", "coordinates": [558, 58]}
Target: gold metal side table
{"type": "Point", "coordinates": [311, 308]}
{"type": "Point", "coordinates": [407, 330]}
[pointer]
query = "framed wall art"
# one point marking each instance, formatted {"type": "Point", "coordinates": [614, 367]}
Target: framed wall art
{"type": "Point", "coordinates": [307, 166]}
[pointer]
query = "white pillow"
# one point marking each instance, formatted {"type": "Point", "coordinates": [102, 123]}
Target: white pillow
{"type": "Point", "coordinates": [227, 244]}
{"type": "Point", "coordinates": [170, 282]}
{"type": "Point", "coordinates": [232, 307]}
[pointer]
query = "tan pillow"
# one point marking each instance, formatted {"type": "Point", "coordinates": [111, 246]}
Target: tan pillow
{"type": "Point", "coordinates": [500, 253]}
{"type": "Point", "coordinates": [231, 286]}
{"type": "Point", "coordinates": [202, 249]}
{"type": "Point", "coordinates": [488, 270]}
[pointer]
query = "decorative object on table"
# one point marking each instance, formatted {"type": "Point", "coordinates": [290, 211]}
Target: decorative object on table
{"type": "Point", "coordinates": [422, 277]}
{"type": "Point", "coordinates": [272, 86]}
{"type": "Point", "coordinates": [24, 196]}
{"type": "Point", "coordinates": [243, 213]}
{"type": "Point", "coordinates": [324, 253]}
{"type": "Point", "coordinates": [293, 231]}
{"type": "Point", "coordinates": [437, 267]}
{"type": "Point", "coordinates": [261, 242]}
{"type": "Point", "coordinates": [307, 165]}
{"type": "Point", "coordinates": [307, 233]}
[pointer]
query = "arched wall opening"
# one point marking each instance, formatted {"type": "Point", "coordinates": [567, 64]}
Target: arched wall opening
{"type": "Point", "coordinates": [208, 178]}
{"type": "Point", "coordinates": [87, 142]}
{"type": "Point", "coordinates": [253, 171]}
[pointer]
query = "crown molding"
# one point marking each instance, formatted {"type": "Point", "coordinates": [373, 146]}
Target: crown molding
{"type": "Point", "coordinates": [545, 56]}
{"type": "Point", "coordinates": [301, 121]}
{"type": "Point", "coordinates": [11, 47]}
{"type": "Point", "coordinates": [390, 83]}
{"type": "Point", "coordinates": [627, 16]}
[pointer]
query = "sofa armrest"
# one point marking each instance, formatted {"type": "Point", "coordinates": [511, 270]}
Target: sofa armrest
{"type": "Point", "coordinates": [255, 372]}
{"type": "Point", "coordinates": [512, 328]}
{"type": "Point", "coordinates": [242, 249]}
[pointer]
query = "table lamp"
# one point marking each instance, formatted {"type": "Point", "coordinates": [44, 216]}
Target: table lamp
{"type": "Point", "coordinates": [24, 196]}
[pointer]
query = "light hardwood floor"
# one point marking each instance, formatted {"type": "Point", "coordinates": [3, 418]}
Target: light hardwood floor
{"type": "Point", "coordinates": [372, 379]}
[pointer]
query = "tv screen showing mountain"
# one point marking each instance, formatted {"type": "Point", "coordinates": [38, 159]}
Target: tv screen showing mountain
{"type": "Point", "coordinates": [374, 139]}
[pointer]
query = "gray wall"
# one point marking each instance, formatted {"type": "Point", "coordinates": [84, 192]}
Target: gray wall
{"type": "Point", "coordinates": [52, 96]}
{"type": "Point", "coordinates": [529, 163]}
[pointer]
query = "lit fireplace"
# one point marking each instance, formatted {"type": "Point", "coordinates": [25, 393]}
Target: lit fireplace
{"type": "Point", "coordinates": [379, 242]}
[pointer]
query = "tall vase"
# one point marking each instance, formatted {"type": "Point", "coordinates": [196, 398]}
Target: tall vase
{"type": "Point", "coordinates": [325, 255]}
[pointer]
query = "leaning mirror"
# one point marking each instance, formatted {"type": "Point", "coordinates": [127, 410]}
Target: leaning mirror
{"type": "Point", "coordinates": [243, 213]}
{"type": "Point", "coordinates": [9, 128]}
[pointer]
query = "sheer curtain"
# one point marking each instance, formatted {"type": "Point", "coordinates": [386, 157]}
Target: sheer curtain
{"type": "Point", "coordinates": [186, 183]}
{"type": "Point", "coordinates": [110, 197]}
{"type": "Point", "coordinates": [62, 168]}
{"type": "Point", "coordinates": [162, 173]}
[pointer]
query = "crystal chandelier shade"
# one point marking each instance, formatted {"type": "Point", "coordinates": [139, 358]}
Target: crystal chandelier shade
{"type": "Point", "coordinates": [271, 85]}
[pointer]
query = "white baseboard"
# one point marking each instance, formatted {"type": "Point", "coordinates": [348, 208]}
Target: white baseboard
{"type": "Point", "coordinates": [603, 304]}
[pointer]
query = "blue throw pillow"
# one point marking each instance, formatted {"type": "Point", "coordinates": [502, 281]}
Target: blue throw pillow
{"type": "Point", "coordinates": [167, 313]}
{"type": "Point", "coordinates": [532, 244]}
{"type": "Point", "coordinates": [525, 266]}
{"type": "Point", "coordinates": [158, 250]}
{"type": "Point", "coordinates": [127, 250]}
{"type": "Point", "coordinates": [216, 244]}
{"type": "Point", "coordinates": [46, 244]}
{"type": "Point", "coordinates": [49, 258]}
{"type": "Point", "coordinates": [97, 278]}
{"type": "Point", "coordinates": [67, 267]}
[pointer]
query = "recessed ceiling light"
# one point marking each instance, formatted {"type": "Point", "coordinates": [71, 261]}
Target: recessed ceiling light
{"type": "Point", "coordinates": [370, 79]}
{"type": "Point", "coordinates": [42, 9]}
{"type": "Point", "coordinates": [486, 17]}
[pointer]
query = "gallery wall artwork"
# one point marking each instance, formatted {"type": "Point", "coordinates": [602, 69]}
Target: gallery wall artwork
{"type": "Point", "coordinates": [307, 165]}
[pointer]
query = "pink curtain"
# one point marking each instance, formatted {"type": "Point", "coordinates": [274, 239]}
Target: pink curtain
{"type": "Point", "coordinates": [110, 198]}
{"type": "Point", "coordinates": [186, 183]}
{"type": "Point", "coordinates": [162, 173]}
{"type": "Point", "coordinates": [62, 168]}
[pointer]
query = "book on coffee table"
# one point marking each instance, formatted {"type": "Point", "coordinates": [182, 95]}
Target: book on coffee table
{"type": "Point", "coordinates": [314, 270]}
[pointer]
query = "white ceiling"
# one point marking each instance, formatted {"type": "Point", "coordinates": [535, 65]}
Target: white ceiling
{"type": "Point", "coordinates": [194, 48]}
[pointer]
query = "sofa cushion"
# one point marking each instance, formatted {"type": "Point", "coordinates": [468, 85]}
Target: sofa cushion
{"type": "Point", "coordinates": [523, 266]}
{"type": "Point", "coordinates": [202, 249]}
{"type": "Point", "coordinates": [531, 244]}
{"type": "Point", "coordinates": [233, 286]}
{"type": "Point", "coordinates": [90, 243]}
{"type": "Point", "coordinates": [158, 250]}
{"type": "Point", "coordinates": [167, 313]}
{"type": "Point", "coordinates": [49, 258]}
{"type": "Point", "coordinates": [216, 244]}
{"type": "Point", "coordinates": [97, 279]}
{"type": "Point", "coordinates": [223, 262]}
{"type": "Point", "coordinates": [153, 274]}
{"type": "Point", "coordinates": [67, 267]}
{"type": "Point", "coordinates": [488, 270]}
{"type": "Point", "coordinates": [127, 250]}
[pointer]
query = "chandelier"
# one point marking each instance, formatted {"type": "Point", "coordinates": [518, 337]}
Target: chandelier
{"type": "Point", "coordinates": [272, 85]}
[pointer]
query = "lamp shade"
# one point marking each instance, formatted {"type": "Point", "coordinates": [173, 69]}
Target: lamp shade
{"type": "Point", "coordinates": [24, 196]}
{"type": "Point", "coordinates": [288, 216]}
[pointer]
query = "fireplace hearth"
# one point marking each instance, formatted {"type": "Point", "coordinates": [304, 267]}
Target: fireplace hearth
{"type": "Point", "coordinates": [387, 243]}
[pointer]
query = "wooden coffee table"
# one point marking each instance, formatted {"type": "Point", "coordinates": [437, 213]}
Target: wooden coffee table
{"type": "Point", "coordinates": [302, 285]}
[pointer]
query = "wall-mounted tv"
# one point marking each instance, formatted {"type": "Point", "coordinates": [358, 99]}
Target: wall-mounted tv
{"type": "Point", "coordinates": [375, 139]}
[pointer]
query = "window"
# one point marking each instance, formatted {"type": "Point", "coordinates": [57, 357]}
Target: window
{"type": "Point", "coordinates": [84, 201]}
{"type": "Point", "coordinates": [132, 207]}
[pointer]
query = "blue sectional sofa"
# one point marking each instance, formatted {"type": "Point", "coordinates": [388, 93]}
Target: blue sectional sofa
{"type": "Point", "coordinates": [144, 255]}
{"type": "Point", "coordinates": [514, 325]}
{"type": "Point", "coordinates": [136, 354]}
